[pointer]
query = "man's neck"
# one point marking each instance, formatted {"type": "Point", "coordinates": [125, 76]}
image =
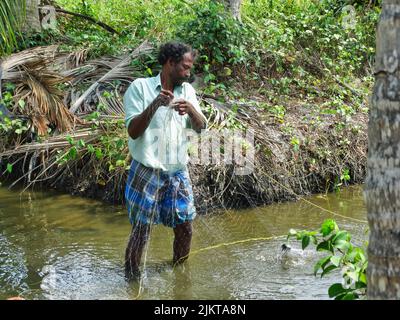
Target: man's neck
{"type": "Point", "coordinates": [166, 82]}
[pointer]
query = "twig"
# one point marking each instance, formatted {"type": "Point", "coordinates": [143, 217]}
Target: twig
{"type": "Point", "coordinates": [79, 15]}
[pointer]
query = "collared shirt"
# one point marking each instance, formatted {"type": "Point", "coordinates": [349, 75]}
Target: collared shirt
{"type": "Point", "coordinates": [163, 145]}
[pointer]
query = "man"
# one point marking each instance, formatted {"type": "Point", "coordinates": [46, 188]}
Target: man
{"type": "Point", "coordinates": [158, 190]}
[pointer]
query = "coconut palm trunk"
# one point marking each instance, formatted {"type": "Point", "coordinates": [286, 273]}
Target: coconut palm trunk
{"type": "Point", "coordinates": [234, 7]}
{"type": "Point", "coordinates": [382, 190]}
{"type": "Point", "coordinates": [32, 15]}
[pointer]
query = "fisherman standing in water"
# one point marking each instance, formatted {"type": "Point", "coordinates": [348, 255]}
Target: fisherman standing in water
{"type": "Point", "coordinates": [159, 190]}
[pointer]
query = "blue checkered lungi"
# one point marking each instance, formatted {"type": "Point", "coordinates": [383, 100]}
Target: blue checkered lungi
{"type": "Point", "coordinates": [152, 196]}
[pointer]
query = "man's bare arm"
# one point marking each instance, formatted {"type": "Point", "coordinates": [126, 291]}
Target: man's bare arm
{"type": "Point", "coordinates": [141, 122]}
{"type": "Point", "coordinates": [197, 120]}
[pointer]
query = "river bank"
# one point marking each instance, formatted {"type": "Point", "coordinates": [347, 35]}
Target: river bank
{"type": "Point", "coordinates": [302, 93]}
{"type": "Point", "coordinates": [304, 149]}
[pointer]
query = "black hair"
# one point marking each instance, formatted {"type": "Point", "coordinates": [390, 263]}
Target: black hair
{"type": "Point", "coordinates": [174, 51]}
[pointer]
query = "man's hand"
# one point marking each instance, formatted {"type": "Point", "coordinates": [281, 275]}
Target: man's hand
{"type": "Point", "coordinates": [183, 107]}
{"type": "Point", "coordinates": [140, 123]}
{"type": "Point", "coordinates": [164, 98]}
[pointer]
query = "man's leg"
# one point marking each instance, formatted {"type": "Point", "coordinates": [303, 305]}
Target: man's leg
{"type": "Point", "coordinates": [134, 250]}
{"type": "Point", "coordinates": [182, 242]}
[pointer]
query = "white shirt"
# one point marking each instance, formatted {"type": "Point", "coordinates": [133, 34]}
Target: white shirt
{"type": "Point", "coordinates": [163, 145]}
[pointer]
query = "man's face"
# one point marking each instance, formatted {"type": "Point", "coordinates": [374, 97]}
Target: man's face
{"type": "Point", "coordinates": [180, 72]}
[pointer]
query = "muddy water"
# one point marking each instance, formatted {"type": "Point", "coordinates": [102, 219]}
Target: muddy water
{"type": "Point", "coordinates": [56, 246]}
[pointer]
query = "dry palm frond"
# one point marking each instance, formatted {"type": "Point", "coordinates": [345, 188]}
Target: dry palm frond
{"type": "Point", "coordinates": [38, 86]}
{"type": "Point", "coordinates": [44, 101]}
{"type": "Point", "coordinates": [92, 71]}
{"type": "Point", "coordinates": [10, 66]}
{"type": "Point", "coordinates": [120, 71]}
{"type": "Point", "coordinates": [71, 60]}
{"type": "Point", "coordinates": [55, 142]}
{"type": "Point", "coordinates": [112, 105]}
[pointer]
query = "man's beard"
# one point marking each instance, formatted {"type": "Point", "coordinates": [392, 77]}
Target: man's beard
{"type": "Point", "coordinates": [179, 81]}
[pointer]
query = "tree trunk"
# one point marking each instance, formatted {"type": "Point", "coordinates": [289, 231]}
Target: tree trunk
{"type": "Point", "coordinates": [382, 190]}
{"type": "Point", "coordinates": [32, 15]}
{"type": "Point", "coordinates": [234, 7]}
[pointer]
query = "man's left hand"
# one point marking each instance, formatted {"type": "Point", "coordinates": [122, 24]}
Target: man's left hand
{"type": "Point", "coordinates": [183, 107]}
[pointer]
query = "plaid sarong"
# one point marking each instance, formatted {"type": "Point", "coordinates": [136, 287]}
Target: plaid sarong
{"type": "Point", "coordinates": [152, 196]}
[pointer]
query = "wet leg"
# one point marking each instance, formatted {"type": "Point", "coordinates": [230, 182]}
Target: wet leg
{"type": "Point", "coordinates": [182, 242]}
{"type": "Point", "coordinates": [134, 250]}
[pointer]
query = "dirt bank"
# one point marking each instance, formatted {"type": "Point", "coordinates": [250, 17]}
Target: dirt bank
{"type": "Point", "coordinates": [306, 152]}
{"type": "Point", "coordinates": [72, 141]}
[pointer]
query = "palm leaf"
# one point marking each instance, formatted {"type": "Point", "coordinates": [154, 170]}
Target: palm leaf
{"type": "Point", "coordinates": [71, 60]}
{"type": "Point", "coordinates": [38, 85]}
{"type": "Point", "coordinates": [10, 67]}
{"type": "Point", "coordinates": [120, 71]}
{"type": "Point", "coordinates": [44, 101]}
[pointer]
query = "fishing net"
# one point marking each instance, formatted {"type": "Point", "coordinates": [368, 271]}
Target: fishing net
{"type": "Point", "coordinates": [227, 244]}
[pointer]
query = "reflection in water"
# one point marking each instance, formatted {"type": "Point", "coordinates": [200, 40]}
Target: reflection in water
{"type": "Point", "coordinates": [61, 247]}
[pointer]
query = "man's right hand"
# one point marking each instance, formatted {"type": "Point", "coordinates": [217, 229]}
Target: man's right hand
{"type": "Point", "coordinates": [165, 97]}
{"type": "Point", "coordinates": [140, 123]}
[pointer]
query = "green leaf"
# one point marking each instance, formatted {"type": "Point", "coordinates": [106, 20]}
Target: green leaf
{"type": "Point", "coordinates": [341, 235]}
{"type": "Point", "coordinates": [342, 245]}
{"type": "Point", "coordinates": [353, 275]}
{"type": "Point", "coordinates": [305, 241]}
{"type": "Point", "coordinates": [325, 245]}
{"type": "Point", "coordinates": [328, 270]}
{"type": "Point", "coordinates": [21, 103]}
{"type": "Point", "coordinates": [120, 144]}
{"type": "Point", "coordinates": [328, 226]}
{"type": "Point", "coordinates": [314, 239]}
{"type": "Point", "coordinates": [81, 143]}
{"type": "Point", "coordinates": [336, 289]}
{"type": "Point", "coordinates": [70, 140]}
{"type": "Point", "coordinates": [360, 285]}
{"type": "Point", "coordinates": [360, 255]}
{"type": "Point", "coordinates": [340, 296]}
{"type": "Point", "coordinates": [99, 153]}
{"type": "Point", "coordinates": [350, 296]}
{"type": "Point", "coordinates": [321, 264]}
{"type": "Point", "coordinates": [227, 71]}
{"type": "Point", "coordinates": [336, 260]}
{"type": "Point", "coordinates": [9, 167]}
{"type": "Point", "coordinates": [73, 152]}
{"type": "Point", "coordinates": [9, 86]}
{"type": "Point", "coordinates": [90, 148]}
{"type": "Point", "coordinates": [351, 255]}
{"type": "Point", "coordinates": [120, 163]}
{"type": "Point", "coordinates": [363, 279]}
